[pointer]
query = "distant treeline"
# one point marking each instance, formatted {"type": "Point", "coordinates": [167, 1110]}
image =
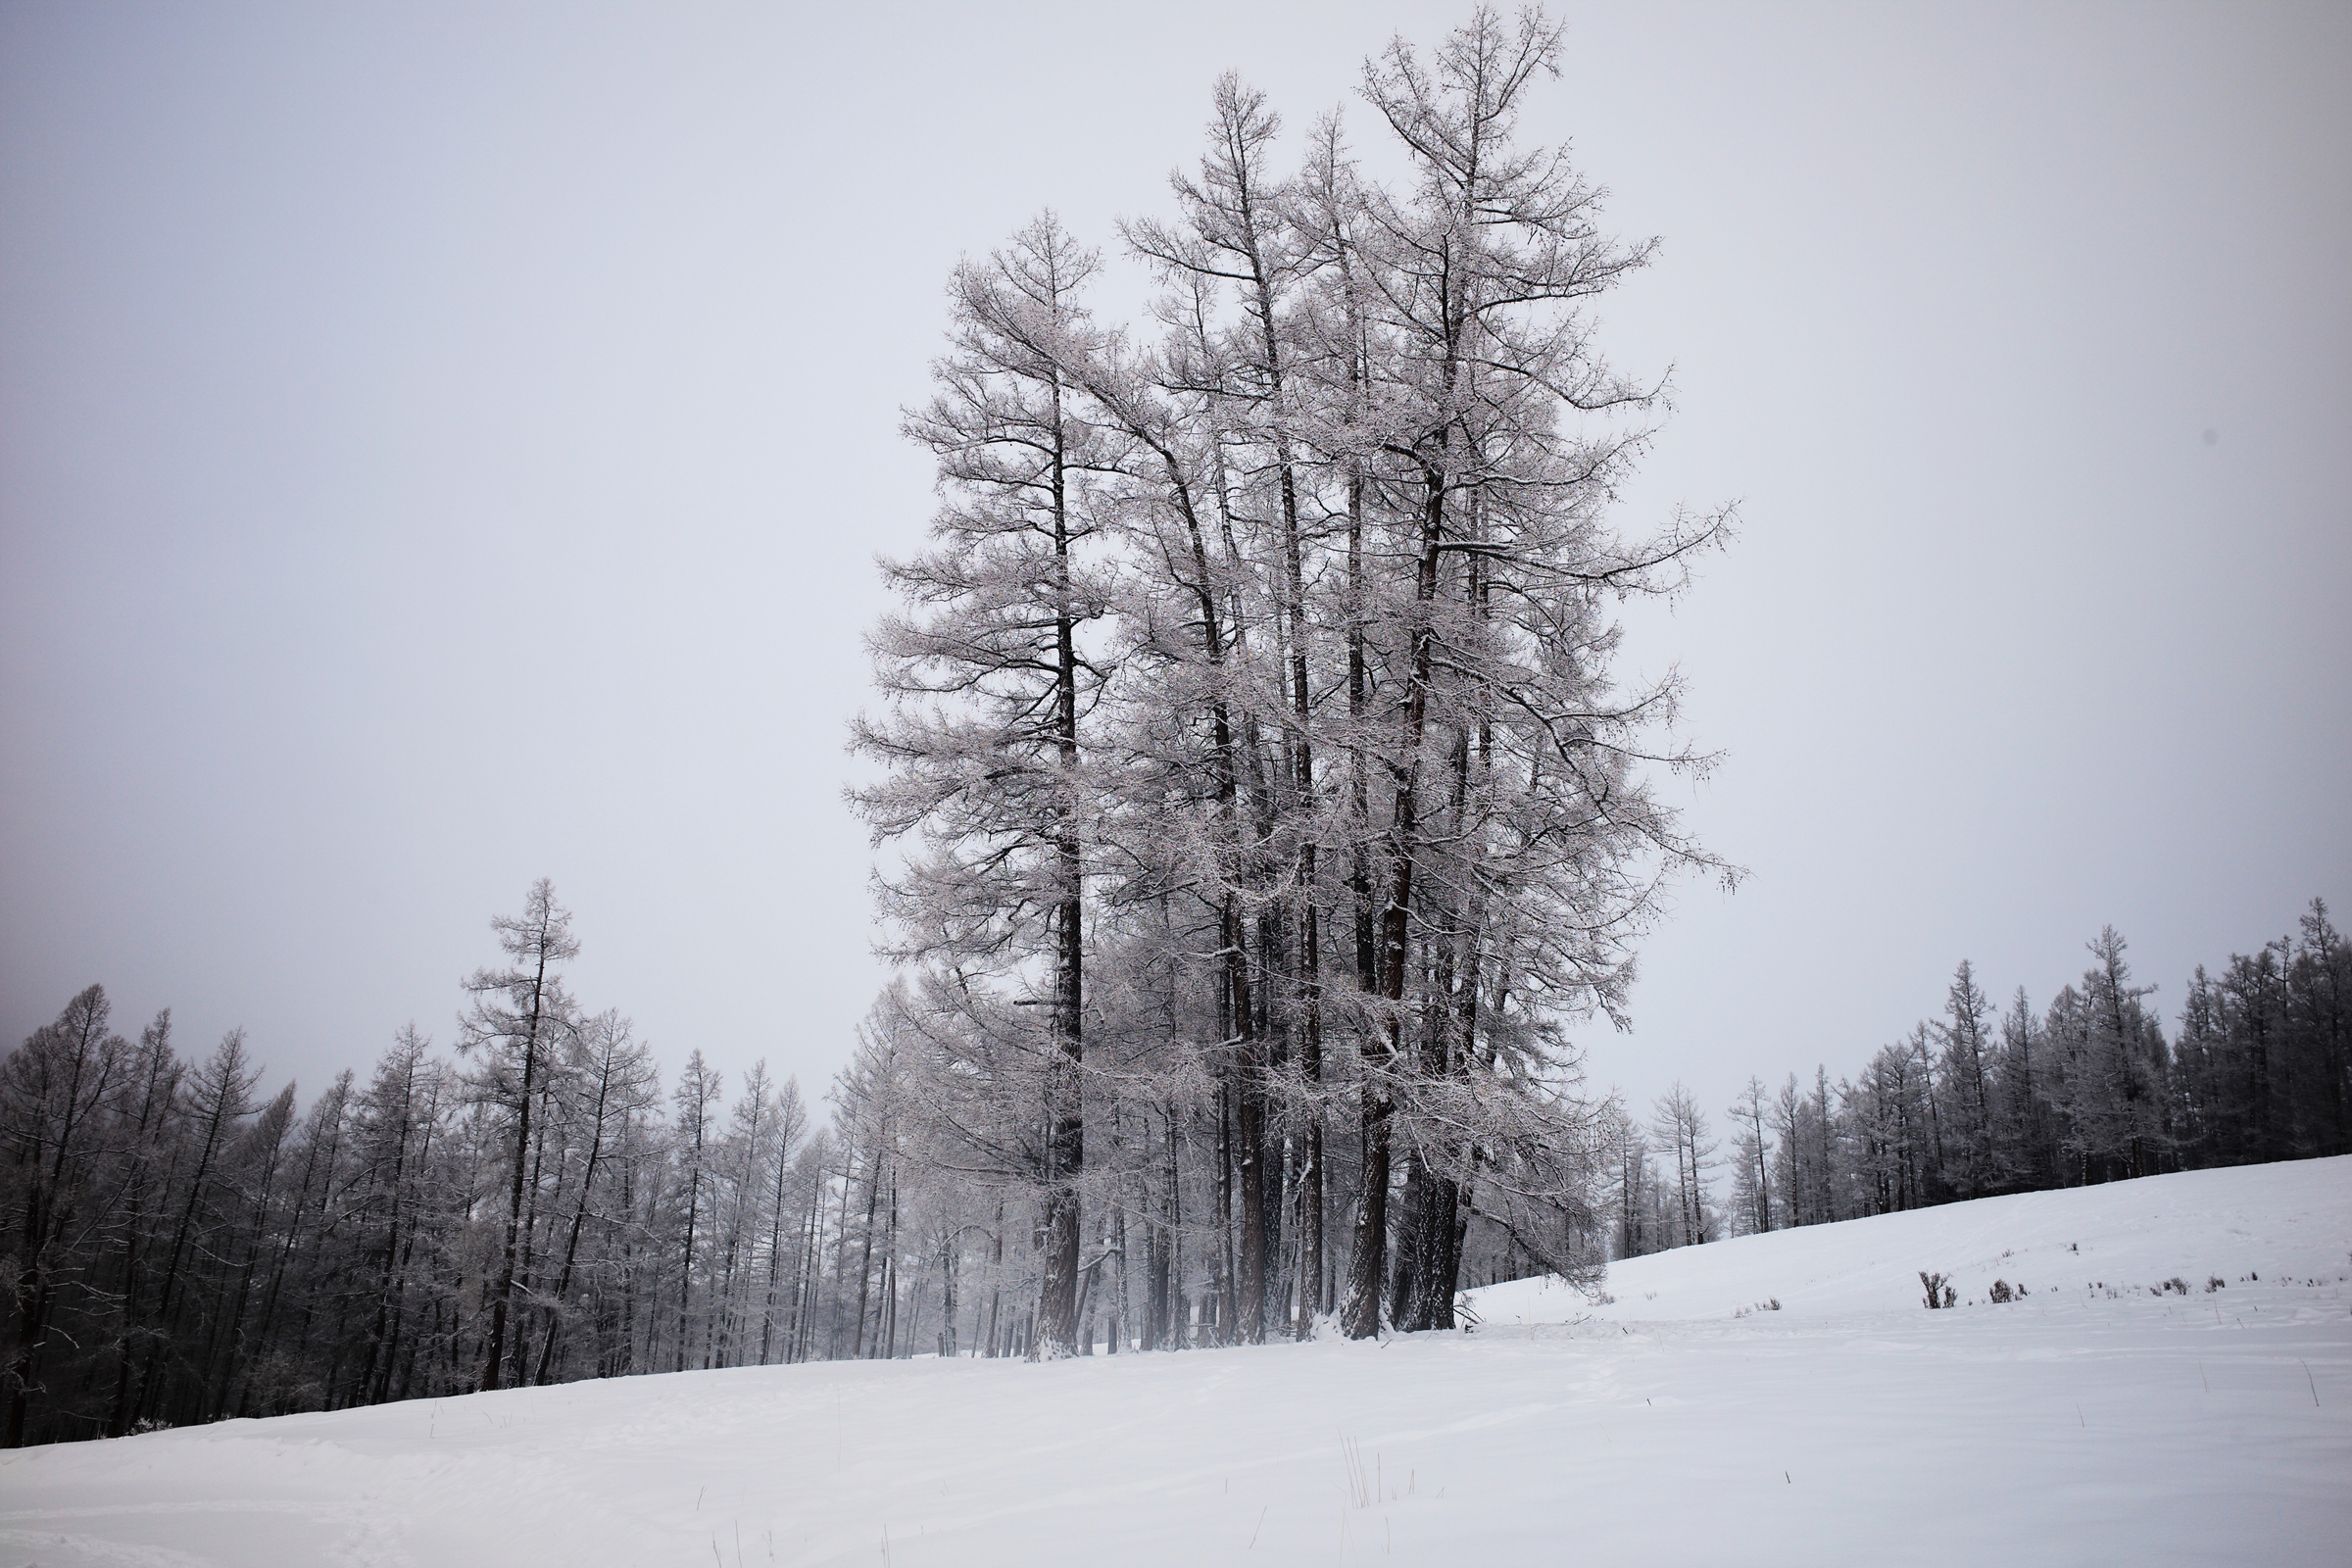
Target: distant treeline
{"type": "Point", "coordinates": [183, 1249]}
{"type": "Point", "coordinates": [1973, 1104]}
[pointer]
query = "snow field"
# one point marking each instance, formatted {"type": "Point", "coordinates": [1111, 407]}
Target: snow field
{"type": "Point", "coordinates": [2095, 1421]}
{"type": "Point", "coordinates": [2291, 1220]}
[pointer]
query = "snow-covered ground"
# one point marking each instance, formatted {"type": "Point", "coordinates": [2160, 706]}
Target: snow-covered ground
{"type": "Point", "coordinates": [2101, 1419]}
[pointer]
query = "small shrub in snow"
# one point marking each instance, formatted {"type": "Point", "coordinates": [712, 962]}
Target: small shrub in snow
{"type": "Point", "coordinates": [1940, 1294]}
{"type": "Point", "coordinates": [2000, 1291]}
{"type": "Point", "coordinates": [2213, 1283]}
{"type": "Point", "coordinates": [2176, 1285]}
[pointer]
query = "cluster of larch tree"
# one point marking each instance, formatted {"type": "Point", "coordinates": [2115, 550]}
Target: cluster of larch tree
{"type": "Point", "coordinates": [1261, 802]}
{"type": "Point", "coordinates": [182, 1250]}
{"type": "Point", "coordinates": [1986, 1099]}
{"type": "Point", "coordinates": [1262, 811]}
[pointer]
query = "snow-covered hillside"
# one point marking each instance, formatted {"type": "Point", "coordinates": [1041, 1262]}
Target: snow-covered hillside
{"type": "Point", "coordinates": [2101, 1418]}
{"type": "Point", "coordinates": [2066, 1249]}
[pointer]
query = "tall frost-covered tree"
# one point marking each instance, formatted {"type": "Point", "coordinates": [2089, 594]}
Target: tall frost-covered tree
{"type": "Point", "coordinates": [989, 681]}
{"type": "Point", "coordinates": [696, 1097]}
{"type": "Point", "coordinates": [1230, 389]}
{"type": "Point", "coordinates": [1752, 1207]}
{"type": "Point", "coordinates": [1519, 840]}
{"type": "Point", "coordinates": [520, 1015]}
{"type": "Point", "coordinates": [612, 1080]}
{"type": "Point", "coordinates": [2115, 1092]}
{"type": "Point", "coordinates": [393, 1129]}
{"type": "Point", "coordinates": [2026, 1144]}
{"type": "Point", "coordinates": [790, 1145]}
{"type": "Point", "coordinates": [1967, 1084]}
{"type": "Point", "coordinates": [1681, 1127]}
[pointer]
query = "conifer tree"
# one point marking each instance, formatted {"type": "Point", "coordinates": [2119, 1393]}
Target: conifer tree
{"type": "Point", "coordinates": [519, 1016]}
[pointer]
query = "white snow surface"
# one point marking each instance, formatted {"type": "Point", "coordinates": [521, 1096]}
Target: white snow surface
{"type": "Point", "coordinates": [2101, 1419]}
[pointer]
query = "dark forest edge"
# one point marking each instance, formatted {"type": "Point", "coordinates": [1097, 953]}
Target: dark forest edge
{"type": "Point", "coordinates": [183, 1250]}
{"type": "Point", "coordinates": [1971, 1104]}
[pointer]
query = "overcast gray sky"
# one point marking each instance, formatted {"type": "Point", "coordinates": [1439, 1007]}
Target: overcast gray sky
{"type": "Point", "coordinates": [446, 446]}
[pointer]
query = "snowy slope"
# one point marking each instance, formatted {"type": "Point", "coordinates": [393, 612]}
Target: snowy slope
{"type": "Point", "coordinates": [2092, 1423]}
{"type": "Point", "coordinates": [2281, 1220]}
